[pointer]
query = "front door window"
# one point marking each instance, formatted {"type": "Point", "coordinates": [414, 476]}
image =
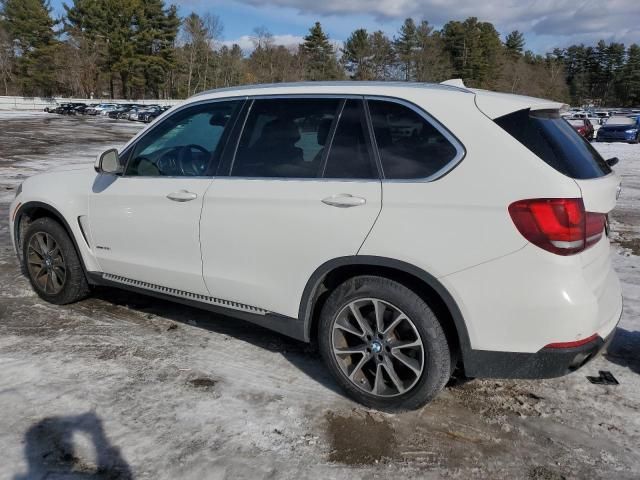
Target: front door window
{"type": "Point", "coordinates": [188, 143]}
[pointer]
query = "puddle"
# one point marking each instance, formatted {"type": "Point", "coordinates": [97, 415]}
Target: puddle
{"type": "Point", "coordinates": [360, 439]}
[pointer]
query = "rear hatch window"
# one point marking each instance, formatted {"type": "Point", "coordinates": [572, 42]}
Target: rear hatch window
{"type": "Point", "coordinates": [556, 142]}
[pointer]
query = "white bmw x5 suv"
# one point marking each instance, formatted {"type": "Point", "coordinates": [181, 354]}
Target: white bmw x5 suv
{"type": "Point", "coordinates": [407, 228]}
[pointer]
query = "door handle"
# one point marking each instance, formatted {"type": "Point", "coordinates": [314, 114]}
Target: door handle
{"type": "Point", "coordinates": [182, 196]}
{"type": "Point", "coordinates": [344, 200]}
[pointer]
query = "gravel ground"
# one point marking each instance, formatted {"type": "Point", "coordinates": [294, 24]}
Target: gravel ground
{"type": "Point", "coordinates": [126, 386]}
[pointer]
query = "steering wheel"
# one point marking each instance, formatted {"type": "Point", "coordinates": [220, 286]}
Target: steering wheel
{"type": "Point", "coordinates": [167, 164]}
{"type": "Point", "coordinates": [186, 161]}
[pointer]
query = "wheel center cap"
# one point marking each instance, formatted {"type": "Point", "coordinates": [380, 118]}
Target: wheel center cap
{"type": "Point", "coordinates": [376, 347]}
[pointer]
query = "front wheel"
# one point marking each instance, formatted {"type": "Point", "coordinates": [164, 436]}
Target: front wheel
{"type": "Point", "coordinates": [52, 264]}
{"type": "Point", "coordinates": [383, 344]}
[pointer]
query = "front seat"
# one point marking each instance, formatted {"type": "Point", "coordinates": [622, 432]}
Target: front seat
{"type": "Point", "coordinates": [276, 147]}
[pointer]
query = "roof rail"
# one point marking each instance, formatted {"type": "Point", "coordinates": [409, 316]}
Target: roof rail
{"type": "Point", "coordinates": [337, 83]}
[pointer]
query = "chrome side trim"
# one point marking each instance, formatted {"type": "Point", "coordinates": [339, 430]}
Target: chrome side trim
{"type": "Point", "coordinates": [182, 294]}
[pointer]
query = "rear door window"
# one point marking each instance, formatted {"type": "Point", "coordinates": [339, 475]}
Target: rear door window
{"type": "Point", "coordinates": [555, 142]}
{"type": "Point", "coordinates": [350, 154]}
{"type": "Point", "coordinates": [409, 145]}
{"type": "Point", "coordinates": [285, 138]}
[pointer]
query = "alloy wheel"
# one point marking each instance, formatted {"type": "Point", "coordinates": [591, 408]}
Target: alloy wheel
{"type": "Point", "coordinates": [377, 347]}
{"type": "Point", "coordinates": [46, 263]}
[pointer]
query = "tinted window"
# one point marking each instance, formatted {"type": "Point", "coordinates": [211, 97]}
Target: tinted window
{"type": "Point", "coordinates": [285, 138]}
{"type": "Point", "coordinates": [188, 143]}
{"type": "Point", "coordinates": [350, 154]}
{"type": "Point", "coordinates": [553, 140]}
{"type": "Point", "coordinates": [410, 147]}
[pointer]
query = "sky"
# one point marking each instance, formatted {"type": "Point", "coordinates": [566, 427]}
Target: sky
{"type": "Point", "coordinates": [545, 23]}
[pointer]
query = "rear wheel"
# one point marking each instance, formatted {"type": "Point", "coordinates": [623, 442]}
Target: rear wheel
{"type": "Point", "coordinates": [52, 264]}
{"type": "Point", "coordinates": [383, 344]}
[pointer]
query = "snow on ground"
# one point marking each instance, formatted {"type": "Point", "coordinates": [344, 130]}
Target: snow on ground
{"type": "Point", "coordinates": [20, 114]}
{"type": "Point", "coordinates": [126, 386]}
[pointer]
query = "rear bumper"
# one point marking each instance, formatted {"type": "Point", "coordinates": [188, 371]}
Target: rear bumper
{"type": "Point", "coordinates": [546, 363]}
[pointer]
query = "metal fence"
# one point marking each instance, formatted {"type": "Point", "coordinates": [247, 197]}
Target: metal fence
{"type": "Point", "coordinates": [39, 103]}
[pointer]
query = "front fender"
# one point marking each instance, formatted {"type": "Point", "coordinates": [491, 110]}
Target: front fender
{"type": "Point", "coordinates": [65, 197]}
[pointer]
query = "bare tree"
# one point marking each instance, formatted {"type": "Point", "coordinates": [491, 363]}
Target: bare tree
{"type": "Point", "coordinates": [6, 59]}
{"type": "Point", "coordinates": [213, 29]}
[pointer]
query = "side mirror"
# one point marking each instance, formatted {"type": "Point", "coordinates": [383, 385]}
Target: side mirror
{"type": "Point", "coordinates": [108, 162]}
{"type": "Point", "coordinates": [612, 161]}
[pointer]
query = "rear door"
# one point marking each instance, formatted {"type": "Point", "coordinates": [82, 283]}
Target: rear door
{"type": "Point", "coordinates": [302, 189]}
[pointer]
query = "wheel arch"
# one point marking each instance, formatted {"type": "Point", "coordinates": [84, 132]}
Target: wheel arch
{"type": "Point", "coordinates": [332, 273]}
{"type": "Point", "coordinates": [34, 210]}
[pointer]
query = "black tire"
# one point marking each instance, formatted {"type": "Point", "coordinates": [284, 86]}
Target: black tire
{"type": "Point", "coordinates": [74, 287]}
{"type": "Point", "coordinates": [437, 358]}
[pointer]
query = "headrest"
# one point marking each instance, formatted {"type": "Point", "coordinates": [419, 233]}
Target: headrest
{"type": "Point", "coordinates": [281, 130]}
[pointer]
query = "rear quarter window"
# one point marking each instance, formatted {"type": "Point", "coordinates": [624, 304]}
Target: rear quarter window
{"type": "Point", "coordinates": [410, 147]}
{"type": "Point", "coordinates": [555, 142]}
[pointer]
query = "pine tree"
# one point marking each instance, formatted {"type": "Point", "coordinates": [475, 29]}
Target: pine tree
{"type": "Point", "coordinates": [383, 56]}
{"type": "Point", "coordinates": [514, 44]}
{"type": "Point", "coordinates": [474, 49]}
{"type": "Point", "coordinates": [29, 24]}
{"type": "Point", "coordinates": [106, 27]}
{"type": "Point", "coordinates": [431, 64]}
{"type": "Point", "coordinates": [319, 56]}
{"type": "Point", "coordinates": [630, 86]}
{"type": "Point", "coordinates": [405, 46]}
{"type": "Point", "coordinates": [356, 55]}
{"type": "Point", "coordinates": [156, 28]}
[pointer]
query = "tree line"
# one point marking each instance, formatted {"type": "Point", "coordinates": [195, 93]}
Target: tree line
{"type": "Point", "coordinates": [143, 49]}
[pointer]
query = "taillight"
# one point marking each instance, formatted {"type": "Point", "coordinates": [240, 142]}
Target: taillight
{"type": "Point", "coordinates": [594, 228]}
{"type": "Point", "coordinates": [558, 225]}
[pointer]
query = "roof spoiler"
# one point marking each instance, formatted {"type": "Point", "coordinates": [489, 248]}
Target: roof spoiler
{"type": "Point", "coordinates": [454, 82]}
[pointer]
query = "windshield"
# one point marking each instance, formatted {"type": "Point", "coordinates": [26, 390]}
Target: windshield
{"type": "Point", "coordinates": [552, 139]}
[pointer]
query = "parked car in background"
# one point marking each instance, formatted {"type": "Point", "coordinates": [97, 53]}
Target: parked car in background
{"type": "Point", "coordinates": [121, 111]}
{"type": "Point", "coordinates": [581, 114]}
{"type": "Point", "coordinates": [596, 122]}
{"type": "Point", "coordinates": [88, 108]}
{"type": "Point", "coordinates": [80, 109]}
{"type": "Point", "coordinates": [59, 108]}
{"type": "Point", "coordinates": [233, 201]}
{"type": "Point", "coordinates": [602, 115]}
{"type": "Point", "coordinates": [108, 108]}
{"type": "Point", "coordinates": [68, 108]}
{"type": "Point", "coordinates": [98, 109]}
{"type": "Point", "coordinates": [151, 114]}
{"type": "Point", "coordinates": [620, 129]}
{"type": "Point", "coordinates": [583, 126]}
{"type": "Point", "coordinates": [135, 111]}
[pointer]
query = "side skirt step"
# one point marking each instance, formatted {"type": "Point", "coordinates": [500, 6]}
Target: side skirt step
{"type": "Point", "coordinates": [289, 326]}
